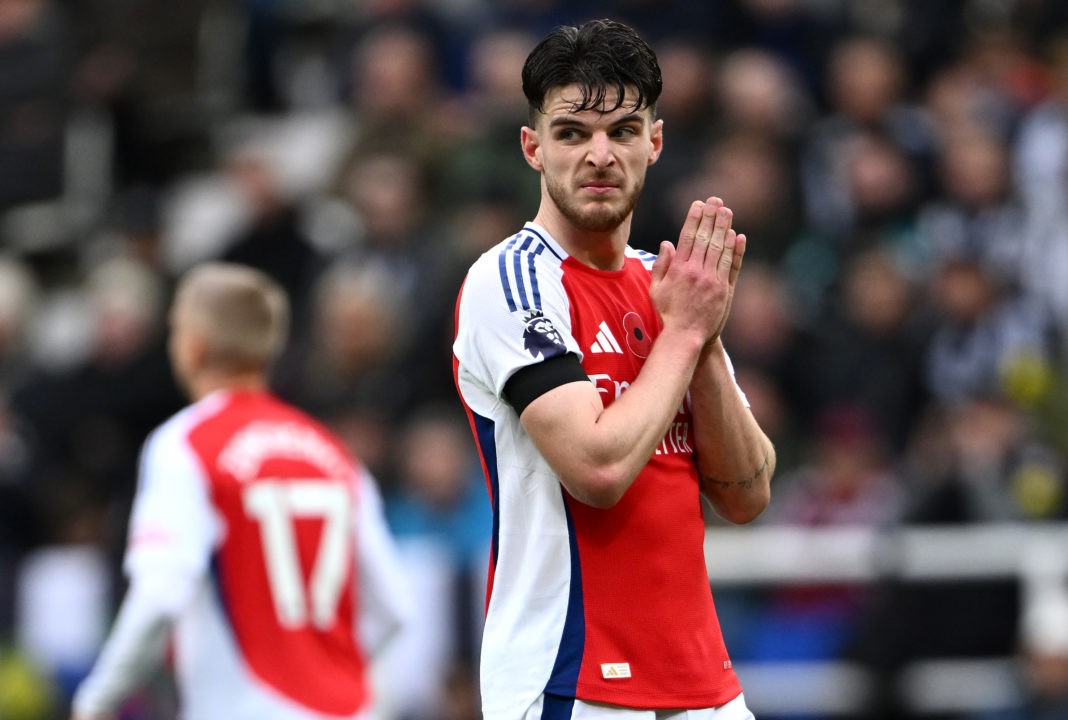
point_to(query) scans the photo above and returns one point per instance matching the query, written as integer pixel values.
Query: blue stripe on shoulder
(517, 263)
(545, 244)
(521, 287)
(502, 266)
(647, 258)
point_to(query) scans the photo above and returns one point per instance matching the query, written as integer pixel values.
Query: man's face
(593, 164)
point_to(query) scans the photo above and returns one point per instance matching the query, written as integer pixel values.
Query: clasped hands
(693, 282)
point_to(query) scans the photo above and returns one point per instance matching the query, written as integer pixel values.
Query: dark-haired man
(603, 405)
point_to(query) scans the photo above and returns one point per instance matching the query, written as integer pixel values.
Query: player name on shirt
(247, 450)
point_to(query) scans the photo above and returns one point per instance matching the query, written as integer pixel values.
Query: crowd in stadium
(899, 167)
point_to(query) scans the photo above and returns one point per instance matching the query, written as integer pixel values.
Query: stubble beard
(603, 216)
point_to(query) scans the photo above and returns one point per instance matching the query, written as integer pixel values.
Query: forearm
(134, 647)
(385, 594)
(735, 459)
(597, 447)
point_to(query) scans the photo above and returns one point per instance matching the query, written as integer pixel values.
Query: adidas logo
(613, 671)
(606, 342)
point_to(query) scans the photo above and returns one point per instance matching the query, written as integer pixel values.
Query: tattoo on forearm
(745, 483)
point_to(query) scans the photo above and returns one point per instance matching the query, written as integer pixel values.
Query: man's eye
(626, 131)
(568, 134)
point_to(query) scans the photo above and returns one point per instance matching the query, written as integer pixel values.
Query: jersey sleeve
(512, 312)
(167, 551)
(385, 597)
(135, 646)
(172, 525)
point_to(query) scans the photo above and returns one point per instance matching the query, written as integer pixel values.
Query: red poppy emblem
(639, 340)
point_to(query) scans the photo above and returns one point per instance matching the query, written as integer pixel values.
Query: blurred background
(901, 170)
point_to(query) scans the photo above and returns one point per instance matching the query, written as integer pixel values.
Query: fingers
(689, 229)
(726, 256)
(708, 237)
(706, 230)
(736, 263)
(717, 224)
(663, 260)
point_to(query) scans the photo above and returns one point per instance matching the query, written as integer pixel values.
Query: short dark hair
(598, 55)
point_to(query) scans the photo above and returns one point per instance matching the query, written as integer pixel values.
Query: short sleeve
(512, 312)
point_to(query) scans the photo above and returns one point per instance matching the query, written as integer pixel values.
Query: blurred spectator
(397, 89)
(867, 86)
(752, 173)
(87, 420)
(20, 293)
(35, 52)
(141, 68)
(984, 327)
(1041, 145)
(761, 93)
(274, 239)
(797, 31)
(881, 182)
(849, 479)
(689, 109)
(440, 495)
(480, 162)
(988, 86)
(976, 211)
(398, 237)
(1040, 172)
(763, 340)
(442, 520)
(867, 350)
(18, 298)
(981, 461)
(359, 342)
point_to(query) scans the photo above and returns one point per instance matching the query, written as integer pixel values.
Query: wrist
(712, 348)
(683, 340)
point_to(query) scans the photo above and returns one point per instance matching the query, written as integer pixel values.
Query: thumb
(663, 261)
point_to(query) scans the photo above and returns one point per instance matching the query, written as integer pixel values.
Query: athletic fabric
(607, 605)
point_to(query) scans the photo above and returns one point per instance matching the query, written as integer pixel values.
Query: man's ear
(656, 135)
(197, 350)
(531, 144)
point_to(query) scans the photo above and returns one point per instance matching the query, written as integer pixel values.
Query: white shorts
(557, 708)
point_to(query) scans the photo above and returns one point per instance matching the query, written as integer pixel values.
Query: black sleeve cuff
(531, 382)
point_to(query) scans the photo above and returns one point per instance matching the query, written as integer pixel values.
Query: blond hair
(241, 312)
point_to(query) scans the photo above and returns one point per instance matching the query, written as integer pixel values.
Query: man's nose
(600, 153)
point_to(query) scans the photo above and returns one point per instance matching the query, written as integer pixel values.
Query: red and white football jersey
(281, 538)
(608, 605)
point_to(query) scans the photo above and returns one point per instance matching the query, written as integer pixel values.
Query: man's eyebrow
(572, 121)
(562, 120)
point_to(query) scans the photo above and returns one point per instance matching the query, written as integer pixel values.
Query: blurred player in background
(604, 405)
(257, 543)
